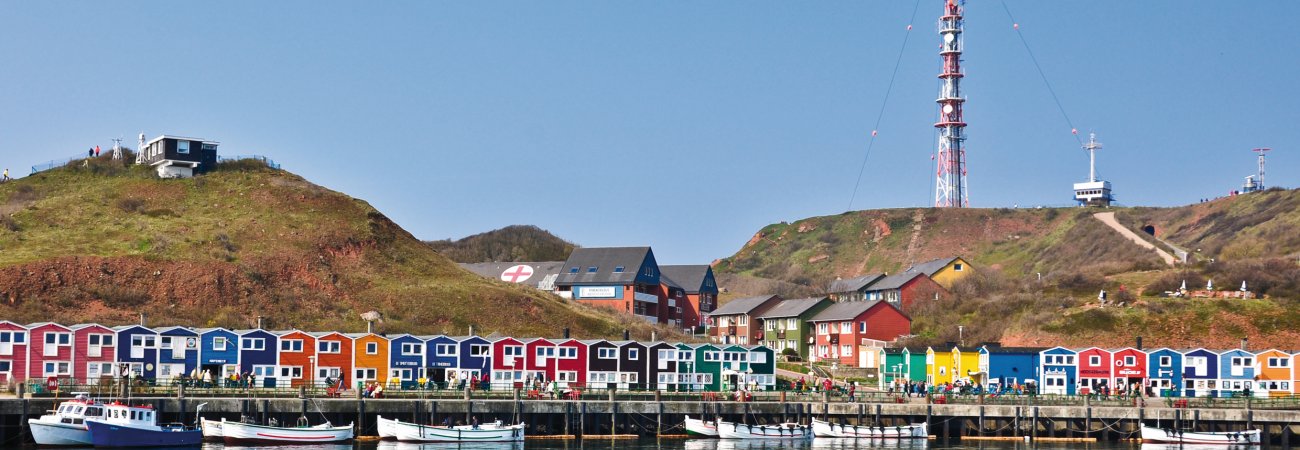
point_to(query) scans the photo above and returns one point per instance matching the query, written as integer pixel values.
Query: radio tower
(950, 189)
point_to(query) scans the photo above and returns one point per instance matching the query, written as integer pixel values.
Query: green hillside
(515, 243)
(1039, 270)
(103, 242)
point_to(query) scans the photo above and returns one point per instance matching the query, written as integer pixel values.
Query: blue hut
(475, 358)
(218, 352)
(137, 347)
(259, 355)
(1236, 372)
(1200, 373)
(1060, 371)
(1007, 367)
(405, 360)
(1164, 372)
(441, 354)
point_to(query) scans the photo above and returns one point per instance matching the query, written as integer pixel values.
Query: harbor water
(716, 444)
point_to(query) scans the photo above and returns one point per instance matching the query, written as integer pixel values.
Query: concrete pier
(650, 418)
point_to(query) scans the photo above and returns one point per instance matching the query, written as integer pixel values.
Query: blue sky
(686, 126)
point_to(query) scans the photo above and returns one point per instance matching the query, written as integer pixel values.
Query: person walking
(6, 175)
(853, 387)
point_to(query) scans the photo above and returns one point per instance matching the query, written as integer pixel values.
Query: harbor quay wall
(596, 418)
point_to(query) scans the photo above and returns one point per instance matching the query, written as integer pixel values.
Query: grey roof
(542, 271)
(123, 327)
(742, 305)
(604, 259)
(854, 284)
(843, 311)
(318, 334)
(894, 281)
(173, 328)
(931, 266)
(1014, 350)
(792, 308)
(689, 277)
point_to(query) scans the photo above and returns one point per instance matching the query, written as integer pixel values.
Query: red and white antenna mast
(950, 189)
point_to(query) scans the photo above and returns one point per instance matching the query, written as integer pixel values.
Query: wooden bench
(533, 394)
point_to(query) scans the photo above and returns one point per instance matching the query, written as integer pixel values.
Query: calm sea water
(715, 444)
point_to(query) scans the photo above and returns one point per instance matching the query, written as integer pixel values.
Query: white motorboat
(410, 432)
(246, 433)
(701, 428)
(823, 428)
(730, 430)
(211, 429)
(1173, 436)
(66, 425)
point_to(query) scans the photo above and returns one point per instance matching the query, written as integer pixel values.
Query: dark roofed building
(903, 289)
(620, 278)
(852, 289)
(844, 332)
(176, 156)
(737, 321)
(540, 275)
(698, 288)
(785, 326)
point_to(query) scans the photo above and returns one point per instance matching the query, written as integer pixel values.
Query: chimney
(142, 315)
(370, 327)
(654, 336)
(259, 323)
(1243, 343)
(566, 333)
(627, 336)
(1139, 343)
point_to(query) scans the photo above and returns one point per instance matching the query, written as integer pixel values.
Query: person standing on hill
(90, 152)
(96, 151)
(6, 175)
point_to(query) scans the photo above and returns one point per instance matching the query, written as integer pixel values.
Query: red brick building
(904, 289)
(737, 321)
(697, 293)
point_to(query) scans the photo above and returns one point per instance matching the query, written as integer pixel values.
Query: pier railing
(151, 388)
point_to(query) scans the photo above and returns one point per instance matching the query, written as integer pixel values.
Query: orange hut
(334, 357)
(297, 359)
(369, 357)
(1276, 374)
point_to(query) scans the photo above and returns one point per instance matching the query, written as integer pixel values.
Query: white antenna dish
(949, 37)
(947, 108)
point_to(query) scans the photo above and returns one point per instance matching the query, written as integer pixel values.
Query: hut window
(1165, 361)
(1094, 360)
(183, 147)
(372, 348)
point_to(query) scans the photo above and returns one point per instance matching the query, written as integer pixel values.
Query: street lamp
(311, 372)
(960, 333)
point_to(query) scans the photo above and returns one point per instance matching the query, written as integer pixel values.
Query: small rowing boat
(730, 430)
(247, 433)
(822, 428)
(410, 432)
(1172, 436)
(700, 428)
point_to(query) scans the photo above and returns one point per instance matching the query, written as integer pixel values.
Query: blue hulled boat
(136, 426)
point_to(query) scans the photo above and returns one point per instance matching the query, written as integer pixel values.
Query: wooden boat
(66, 425)
(410, 432)
(211, 429)
(823, 428)
(730, 430)
(136, 426)
(1171, 436)
(246, 433)
(700, 428)
(387, 428)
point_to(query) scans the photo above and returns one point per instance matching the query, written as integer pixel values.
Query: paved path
(1108, 218)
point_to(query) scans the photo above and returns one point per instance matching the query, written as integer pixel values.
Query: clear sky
(685, 126)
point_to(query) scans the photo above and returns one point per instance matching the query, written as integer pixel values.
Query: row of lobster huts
(90, 353)
(1195, 372)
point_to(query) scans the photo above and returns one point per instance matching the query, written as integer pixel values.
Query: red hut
(50, 354)
(571, 363)
(93, 352)
(1095, 371)
(541, 358)
(509, 360)
(13, 352)
(1130, 369)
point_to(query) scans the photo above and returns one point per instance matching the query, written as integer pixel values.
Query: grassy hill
(1039, 270)
(105, 241)
(515, 243)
